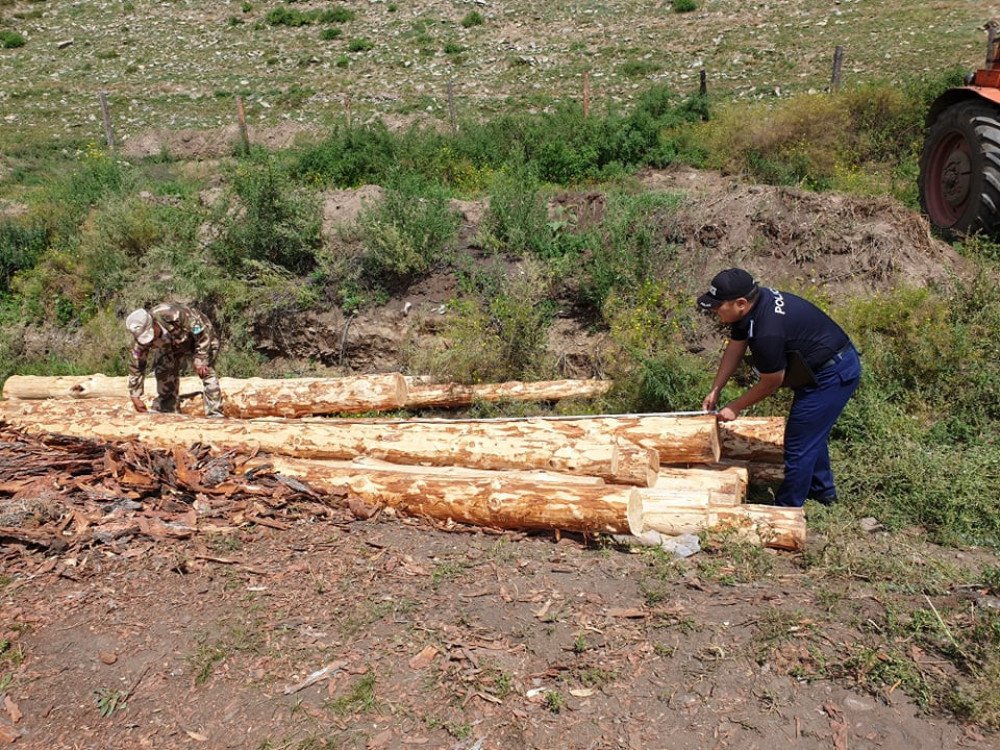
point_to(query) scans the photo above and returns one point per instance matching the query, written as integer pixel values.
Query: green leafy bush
(497, 330)
(20, 247)
(408, 231)
(473, 18)
(516, 222)
(331, 33)
(285, 16)
(271, 220)
(866, 139)
(11, 39)
(360, 45)
(919, 440)
(631, 243)
(685, 6)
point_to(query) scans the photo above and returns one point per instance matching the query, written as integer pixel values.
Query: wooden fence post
(451, 106)
(586, 93)
(241, 117)
(838, 64)
(109, 131)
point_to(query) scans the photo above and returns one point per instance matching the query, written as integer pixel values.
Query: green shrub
(70, 196)
(410, 230)
(284, 16)
(919, 439)
(20, 247)
(349, 157)
(560, 146)
(865, 139)
(498, 329)
(330, 33)
(684, 6)
(631, 243)
(516, 220)
(638, 68)
(271, 220)
(11, 39)
(335, 15)
(451, 48)
(473, 18)
(360, 45)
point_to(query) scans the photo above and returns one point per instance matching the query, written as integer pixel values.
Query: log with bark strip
(450, 395)
(502, 501)
(716, 477)
(349, 394)
(528, 444)
(758, 472)
(671, 512)
(757, 439)
(677, 440)
(251, 397)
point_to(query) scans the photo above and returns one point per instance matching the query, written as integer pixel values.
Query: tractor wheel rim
(950, 180)
(956, 178)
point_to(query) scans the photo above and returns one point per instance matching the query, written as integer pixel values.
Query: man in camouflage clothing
(178, 333)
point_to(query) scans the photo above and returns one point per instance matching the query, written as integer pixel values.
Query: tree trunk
(671, 512)
(484, 445)
(758, 439)
(252, 397)
(448, 395)
(502, 501)
(351, 392)
(457, 472)
(731, 480)
(760, 472)
(677, 440)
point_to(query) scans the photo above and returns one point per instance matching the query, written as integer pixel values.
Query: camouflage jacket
(184, 330)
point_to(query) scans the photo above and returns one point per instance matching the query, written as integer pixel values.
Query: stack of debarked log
(615, 474)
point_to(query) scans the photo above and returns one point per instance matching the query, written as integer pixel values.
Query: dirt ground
(437, 639)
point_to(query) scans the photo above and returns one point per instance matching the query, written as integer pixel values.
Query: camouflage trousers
(168, 381)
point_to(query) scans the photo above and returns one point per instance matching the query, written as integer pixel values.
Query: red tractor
(960, 164)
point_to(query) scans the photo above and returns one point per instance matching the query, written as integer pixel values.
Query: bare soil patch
(209, 144)
(304, 627)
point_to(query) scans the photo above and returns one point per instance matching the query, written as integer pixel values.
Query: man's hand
(728, 414)
(711, 400)
(201, 370)
(139, 406)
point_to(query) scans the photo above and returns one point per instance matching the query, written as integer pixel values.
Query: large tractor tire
(960, 170)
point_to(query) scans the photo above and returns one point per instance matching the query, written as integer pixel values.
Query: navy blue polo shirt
(780, 323)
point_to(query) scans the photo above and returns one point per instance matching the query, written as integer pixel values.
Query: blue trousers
(814, 411)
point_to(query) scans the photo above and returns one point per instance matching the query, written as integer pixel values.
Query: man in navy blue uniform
(793, 343)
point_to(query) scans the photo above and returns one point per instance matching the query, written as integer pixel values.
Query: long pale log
(251, 397)
(759, 439)
(484, 445)
(759, 472)
(504, 501)
(448, 395)
(716, 477)
(686, 513)
(365, 463)
(677, 440)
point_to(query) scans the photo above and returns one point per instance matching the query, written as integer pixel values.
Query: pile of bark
(60, 491)
(601, 474)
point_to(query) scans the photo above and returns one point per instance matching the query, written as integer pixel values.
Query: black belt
(835, 358)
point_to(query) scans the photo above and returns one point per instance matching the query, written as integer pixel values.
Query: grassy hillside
(178, 63)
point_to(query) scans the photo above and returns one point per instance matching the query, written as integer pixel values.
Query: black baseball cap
(730, 284)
